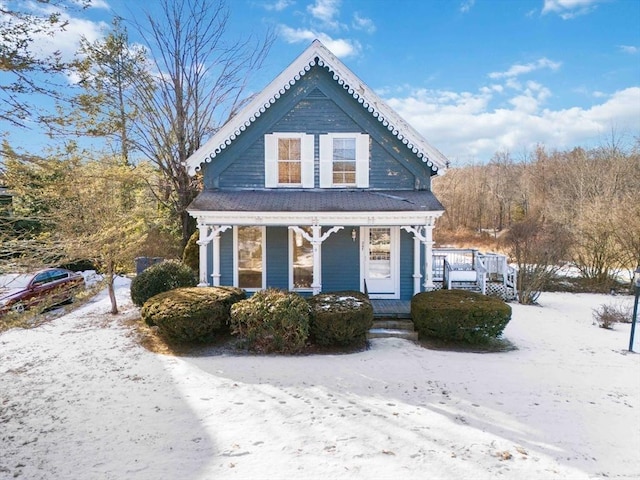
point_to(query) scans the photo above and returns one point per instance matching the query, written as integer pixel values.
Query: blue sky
(473, 76)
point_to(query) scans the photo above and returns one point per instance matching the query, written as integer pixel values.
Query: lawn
(81, 399)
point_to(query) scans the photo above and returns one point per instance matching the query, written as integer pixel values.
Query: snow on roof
(317, 54)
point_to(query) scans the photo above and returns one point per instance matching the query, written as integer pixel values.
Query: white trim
(395, 262)
(317, 218)
(318, 54)
(264, 257)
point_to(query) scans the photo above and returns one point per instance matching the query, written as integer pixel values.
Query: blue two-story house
(317, 185)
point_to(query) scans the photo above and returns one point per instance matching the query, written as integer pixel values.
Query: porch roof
(316, 201)
(316, 207)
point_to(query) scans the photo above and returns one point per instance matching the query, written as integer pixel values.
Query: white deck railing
(471, 266)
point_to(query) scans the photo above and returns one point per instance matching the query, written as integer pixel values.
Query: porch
(466, 269)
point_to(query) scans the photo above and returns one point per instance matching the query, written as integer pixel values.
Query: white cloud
(465, 126)
(629, 49)
(340, 47)
(519, 69)
(96, 4)
(67, 41)
(326, 11)
(466, 5)
(363, 23)
(568, 9)
(278, 5)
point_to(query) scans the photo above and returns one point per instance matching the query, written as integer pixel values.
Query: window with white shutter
(289, 159)
(344, 160)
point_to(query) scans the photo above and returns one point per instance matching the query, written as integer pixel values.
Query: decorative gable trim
(317, 54)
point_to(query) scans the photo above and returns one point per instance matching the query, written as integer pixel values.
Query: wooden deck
(391, 308)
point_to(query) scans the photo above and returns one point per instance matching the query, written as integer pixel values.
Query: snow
(80, 399)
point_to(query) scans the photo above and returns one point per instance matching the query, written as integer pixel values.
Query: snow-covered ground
(80, 399)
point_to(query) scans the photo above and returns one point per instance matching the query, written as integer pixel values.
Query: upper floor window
(288, 160)
(344, 160)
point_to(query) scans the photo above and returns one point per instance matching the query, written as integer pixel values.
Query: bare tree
(201, 75)
(538, 249)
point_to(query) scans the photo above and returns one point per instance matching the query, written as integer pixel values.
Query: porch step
(393, 328)
(391, 324)
(471, 286)
(389, 333)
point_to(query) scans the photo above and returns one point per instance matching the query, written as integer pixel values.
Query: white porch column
(428, 255)
(416, 265)
(207, 234)
(316, 238)
(203, 241)
(423, 235)
(216, 253)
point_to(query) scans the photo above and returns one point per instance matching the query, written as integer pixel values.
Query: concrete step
(393, 324)
(392, 333)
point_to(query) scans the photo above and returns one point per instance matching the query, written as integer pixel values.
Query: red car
(44, 288)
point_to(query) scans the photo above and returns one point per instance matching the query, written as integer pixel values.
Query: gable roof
(317, 54)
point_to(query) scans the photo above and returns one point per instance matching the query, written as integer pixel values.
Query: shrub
(191, 252)
(606, 315)
(272, 321)
(160, 278)
(340, 318)
(194, 314)
(459, 316)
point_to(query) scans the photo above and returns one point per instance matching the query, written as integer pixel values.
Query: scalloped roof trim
(317, 54)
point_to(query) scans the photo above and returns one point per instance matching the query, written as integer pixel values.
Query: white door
(379, 262)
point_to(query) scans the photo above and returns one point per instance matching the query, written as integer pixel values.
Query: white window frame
(236, 269)
(271, 179)
(291, 286)
(362, 160)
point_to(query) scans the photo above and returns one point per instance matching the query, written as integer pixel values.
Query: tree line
(579, 206)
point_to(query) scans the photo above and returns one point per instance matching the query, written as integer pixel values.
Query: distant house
(317, 185)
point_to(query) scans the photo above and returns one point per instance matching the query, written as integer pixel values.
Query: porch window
(301, 260)
(249, 248)
(344, 160)
(289, 159)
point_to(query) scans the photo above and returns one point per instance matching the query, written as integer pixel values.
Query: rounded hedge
(340, 318)
(272, 321)
(194, 314)
(160, 278)
(459, 316)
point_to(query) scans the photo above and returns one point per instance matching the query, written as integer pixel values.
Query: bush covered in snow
(195, 314)
(340, 318)
(272, 321)
(160, 278)
(459, 316)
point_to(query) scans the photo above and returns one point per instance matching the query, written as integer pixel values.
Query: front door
(379, 262)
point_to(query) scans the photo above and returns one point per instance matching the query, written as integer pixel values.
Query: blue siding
(226, 258)
(277, 257)
(341, 262)
(406, 265)
(241, 165)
